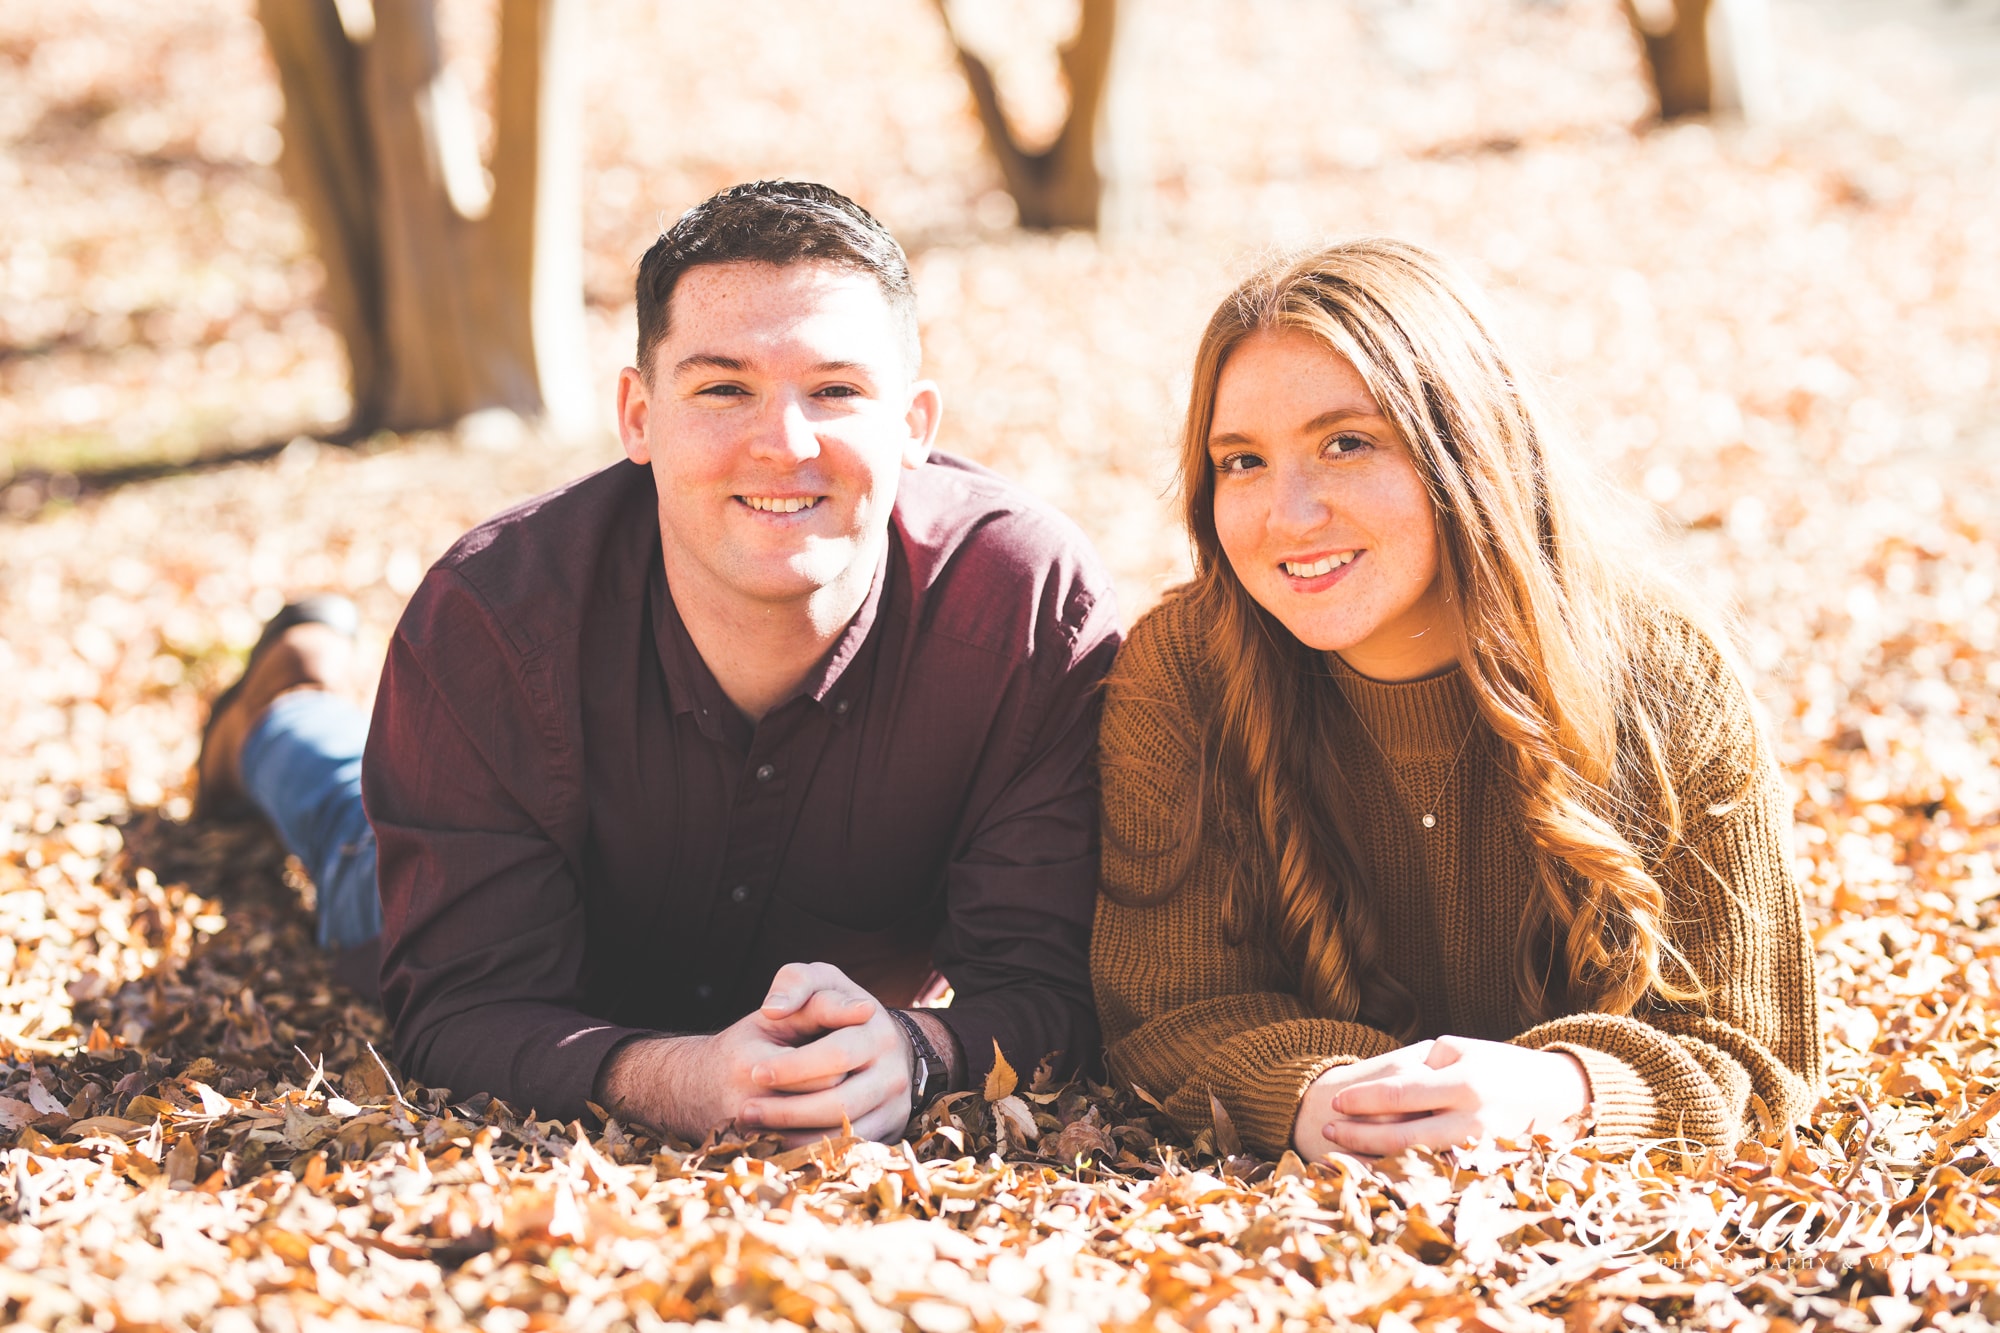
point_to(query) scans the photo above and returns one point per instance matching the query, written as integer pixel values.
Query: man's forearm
(647, 1081)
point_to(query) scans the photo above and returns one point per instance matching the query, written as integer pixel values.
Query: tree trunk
(1063, 185)
(448, 300)
(1706, 57)
(535, 231)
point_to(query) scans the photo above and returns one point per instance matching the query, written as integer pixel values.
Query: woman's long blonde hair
(1553, 630)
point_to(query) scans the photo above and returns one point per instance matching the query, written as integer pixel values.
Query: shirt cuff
(1622, 1103)
(976, 1032)
(1265, 1108)
(570, 1075)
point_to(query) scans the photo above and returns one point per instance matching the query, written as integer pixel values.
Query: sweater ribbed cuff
(1622, 1104)
(1265, 1108)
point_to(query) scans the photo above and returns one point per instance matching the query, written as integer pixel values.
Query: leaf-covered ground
(1782, 339)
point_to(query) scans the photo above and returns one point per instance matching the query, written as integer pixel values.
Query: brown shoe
(307, 645)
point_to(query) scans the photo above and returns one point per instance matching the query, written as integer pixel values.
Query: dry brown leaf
(1228, 1143)
(1083, 1137)
(212, 1102)
(182, 1159)
(1000, 1079)
(44, 1102)
(826, 1149)
(1971, 1124)
(1018, 1120)
(106, 1124)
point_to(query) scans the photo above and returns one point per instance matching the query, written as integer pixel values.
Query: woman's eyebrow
(1343, 414)
(1334, 417)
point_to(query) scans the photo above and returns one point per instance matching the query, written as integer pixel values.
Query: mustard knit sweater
(1186, 1012)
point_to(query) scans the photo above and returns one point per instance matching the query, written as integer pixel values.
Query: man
(687, 780)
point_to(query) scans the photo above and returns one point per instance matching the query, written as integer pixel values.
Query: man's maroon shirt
(582, 841)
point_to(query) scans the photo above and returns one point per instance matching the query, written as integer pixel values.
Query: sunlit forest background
(1777, 336)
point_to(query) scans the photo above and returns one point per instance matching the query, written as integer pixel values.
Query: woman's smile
(1314, 573)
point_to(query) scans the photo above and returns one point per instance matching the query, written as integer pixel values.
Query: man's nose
(784, 431)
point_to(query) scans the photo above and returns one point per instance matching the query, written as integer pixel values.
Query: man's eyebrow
(716, 361)
(1320, 422)
(708, 361)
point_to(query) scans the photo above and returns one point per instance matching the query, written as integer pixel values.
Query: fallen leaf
(1019, 1121)
(1227, 1142)
(1980, 1116)
(212, 1102)
(1084, 1137)
(44, 1101)
(182, 1160)
(1000, 1079)
(109, 1125)
(566, 1219)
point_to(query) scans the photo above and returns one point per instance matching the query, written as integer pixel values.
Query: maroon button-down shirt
(581, 840)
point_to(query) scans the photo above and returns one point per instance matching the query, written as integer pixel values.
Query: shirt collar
(1410, 718)
(691, 684)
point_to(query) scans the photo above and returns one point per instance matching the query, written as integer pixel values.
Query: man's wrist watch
(927, 1070)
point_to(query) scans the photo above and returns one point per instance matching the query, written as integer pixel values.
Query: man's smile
(780, 504)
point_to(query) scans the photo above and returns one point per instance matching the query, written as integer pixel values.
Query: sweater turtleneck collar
(1410, 719)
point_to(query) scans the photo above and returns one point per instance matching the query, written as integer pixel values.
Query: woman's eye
(1348, 444)
(1238, 463)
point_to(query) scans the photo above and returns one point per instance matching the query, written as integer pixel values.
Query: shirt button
(704, 992)
(840, 707)
(740, 894)
(765, 772)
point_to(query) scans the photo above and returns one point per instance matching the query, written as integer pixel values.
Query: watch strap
(929, 1069)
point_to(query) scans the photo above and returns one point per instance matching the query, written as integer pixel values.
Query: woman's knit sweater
(1186, 1012)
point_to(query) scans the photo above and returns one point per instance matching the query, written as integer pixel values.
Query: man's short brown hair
(773, 222)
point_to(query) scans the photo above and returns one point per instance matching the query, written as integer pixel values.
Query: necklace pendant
(1430, 820)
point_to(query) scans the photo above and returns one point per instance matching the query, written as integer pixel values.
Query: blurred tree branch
(1705, 56)
(1062, 185)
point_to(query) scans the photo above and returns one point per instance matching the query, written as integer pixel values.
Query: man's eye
(721, 391)
(840, 391)
(1238, 463)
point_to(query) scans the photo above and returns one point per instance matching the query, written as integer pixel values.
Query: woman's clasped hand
(1436, 1093)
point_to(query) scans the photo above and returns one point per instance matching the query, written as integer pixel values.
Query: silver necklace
(1429, 808)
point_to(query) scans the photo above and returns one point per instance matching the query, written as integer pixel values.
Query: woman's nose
(1297, 507)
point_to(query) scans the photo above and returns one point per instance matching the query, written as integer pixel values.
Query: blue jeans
(302, 767)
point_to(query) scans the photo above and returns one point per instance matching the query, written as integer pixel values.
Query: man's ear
(926, 412)
(634, 406)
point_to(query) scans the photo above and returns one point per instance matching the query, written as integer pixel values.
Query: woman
(1426, 818)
